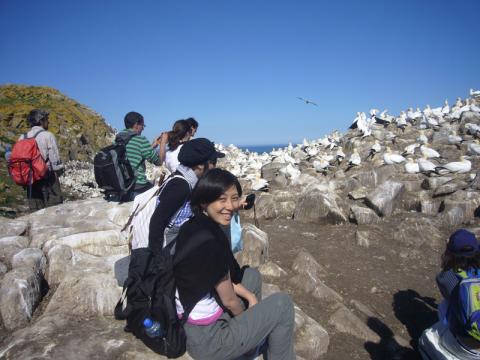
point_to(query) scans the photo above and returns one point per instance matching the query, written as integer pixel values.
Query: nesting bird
(390, 158)
(411, 167)
(459, 167)
(354, 160)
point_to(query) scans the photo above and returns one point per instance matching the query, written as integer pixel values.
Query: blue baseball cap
(463, 242)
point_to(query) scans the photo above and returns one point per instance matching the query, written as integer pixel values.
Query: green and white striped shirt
(139, 150)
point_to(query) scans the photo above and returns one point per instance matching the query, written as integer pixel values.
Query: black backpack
(149, 291)
(113, 172)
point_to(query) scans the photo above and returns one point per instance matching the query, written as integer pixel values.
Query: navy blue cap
(463, 242)
(198, 151)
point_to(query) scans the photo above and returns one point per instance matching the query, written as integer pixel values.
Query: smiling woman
(223, 301)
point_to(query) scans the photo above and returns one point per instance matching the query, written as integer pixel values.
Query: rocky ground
(354, 236)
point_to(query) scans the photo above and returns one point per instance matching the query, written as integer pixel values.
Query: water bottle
(153, 328)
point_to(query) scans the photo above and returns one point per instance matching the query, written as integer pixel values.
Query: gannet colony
(434, 142)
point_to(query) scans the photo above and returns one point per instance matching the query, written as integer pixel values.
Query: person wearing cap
(460, 258)
(196, 157)
(139, 150)
(47, 191)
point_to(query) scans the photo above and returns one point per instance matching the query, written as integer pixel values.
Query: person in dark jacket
(196, 158)
(226, 319)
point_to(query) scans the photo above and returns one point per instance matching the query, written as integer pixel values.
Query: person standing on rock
(196, 157)
(227, 320)
(139, 150)
(47, 191)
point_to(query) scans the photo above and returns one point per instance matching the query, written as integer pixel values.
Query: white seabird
(474, 93)
(321, 165)
(445, 108)
(410, 149)
(392, 158)
(474, 148)
(422, 138)
(411, 167)
(339, 155)
(426, 166)
(259, 184)
(454, 139)
(375, 149)
(354, 160)
(428, 152)
(459, 167)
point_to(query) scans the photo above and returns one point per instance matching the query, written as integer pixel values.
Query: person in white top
(47, 191)
(181, 132)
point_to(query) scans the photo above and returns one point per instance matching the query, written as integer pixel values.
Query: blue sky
(238, 66)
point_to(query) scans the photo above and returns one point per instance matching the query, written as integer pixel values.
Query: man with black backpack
(138, 150)
(39, 174)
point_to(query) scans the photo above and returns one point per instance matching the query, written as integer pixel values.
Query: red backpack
(26, 164)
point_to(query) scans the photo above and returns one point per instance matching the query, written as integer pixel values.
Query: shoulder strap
(34, 136)
(140, 207)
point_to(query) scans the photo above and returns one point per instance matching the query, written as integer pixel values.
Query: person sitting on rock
(196, 157)
(226, 319)
(139, 150)
(47, 191)
(452, 335)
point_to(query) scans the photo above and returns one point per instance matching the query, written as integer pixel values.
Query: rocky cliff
(80, 131)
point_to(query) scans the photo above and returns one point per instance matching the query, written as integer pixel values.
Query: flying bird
(307, 101)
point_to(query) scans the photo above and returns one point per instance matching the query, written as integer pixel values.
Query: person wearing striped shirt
(139, 150)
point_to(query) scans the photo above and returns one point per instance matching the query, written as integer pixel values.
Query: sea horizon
(261, 148)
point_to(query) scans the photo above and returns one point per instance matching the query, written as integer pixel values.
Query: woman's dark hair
(192, 123)
(451, 261)
(211, 186)
(179, 131)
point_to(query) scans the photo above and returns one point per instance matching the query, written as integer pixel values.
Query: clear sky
(237, 66)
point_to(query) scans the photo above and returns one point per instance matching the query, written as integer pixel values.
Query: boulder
(85, 292)
(345, 321)
(271, 170)
(98, 243)
(459, 208)
(31, 258)
(59, 259)
(255, 246)
(318, 207)
(10, 227)
(271, 269)
(20, 292)
(315, 287)
(64, 336)
(268, 206)
(311, 339)
(450, 187)
(305, 263)
(358, 194)
(416, 231)
(363, 216)
(431, 183)
(384, 198)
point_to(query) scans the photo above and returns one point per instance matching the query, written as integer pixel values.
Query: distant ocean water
(261, 148)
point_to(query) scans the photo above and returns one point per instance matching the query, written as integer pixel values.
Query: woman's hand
(252, 301)
(242, 291)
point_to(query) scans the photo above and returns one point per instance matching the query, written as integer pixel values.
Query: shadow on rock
(388, 347)
(416, 312)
